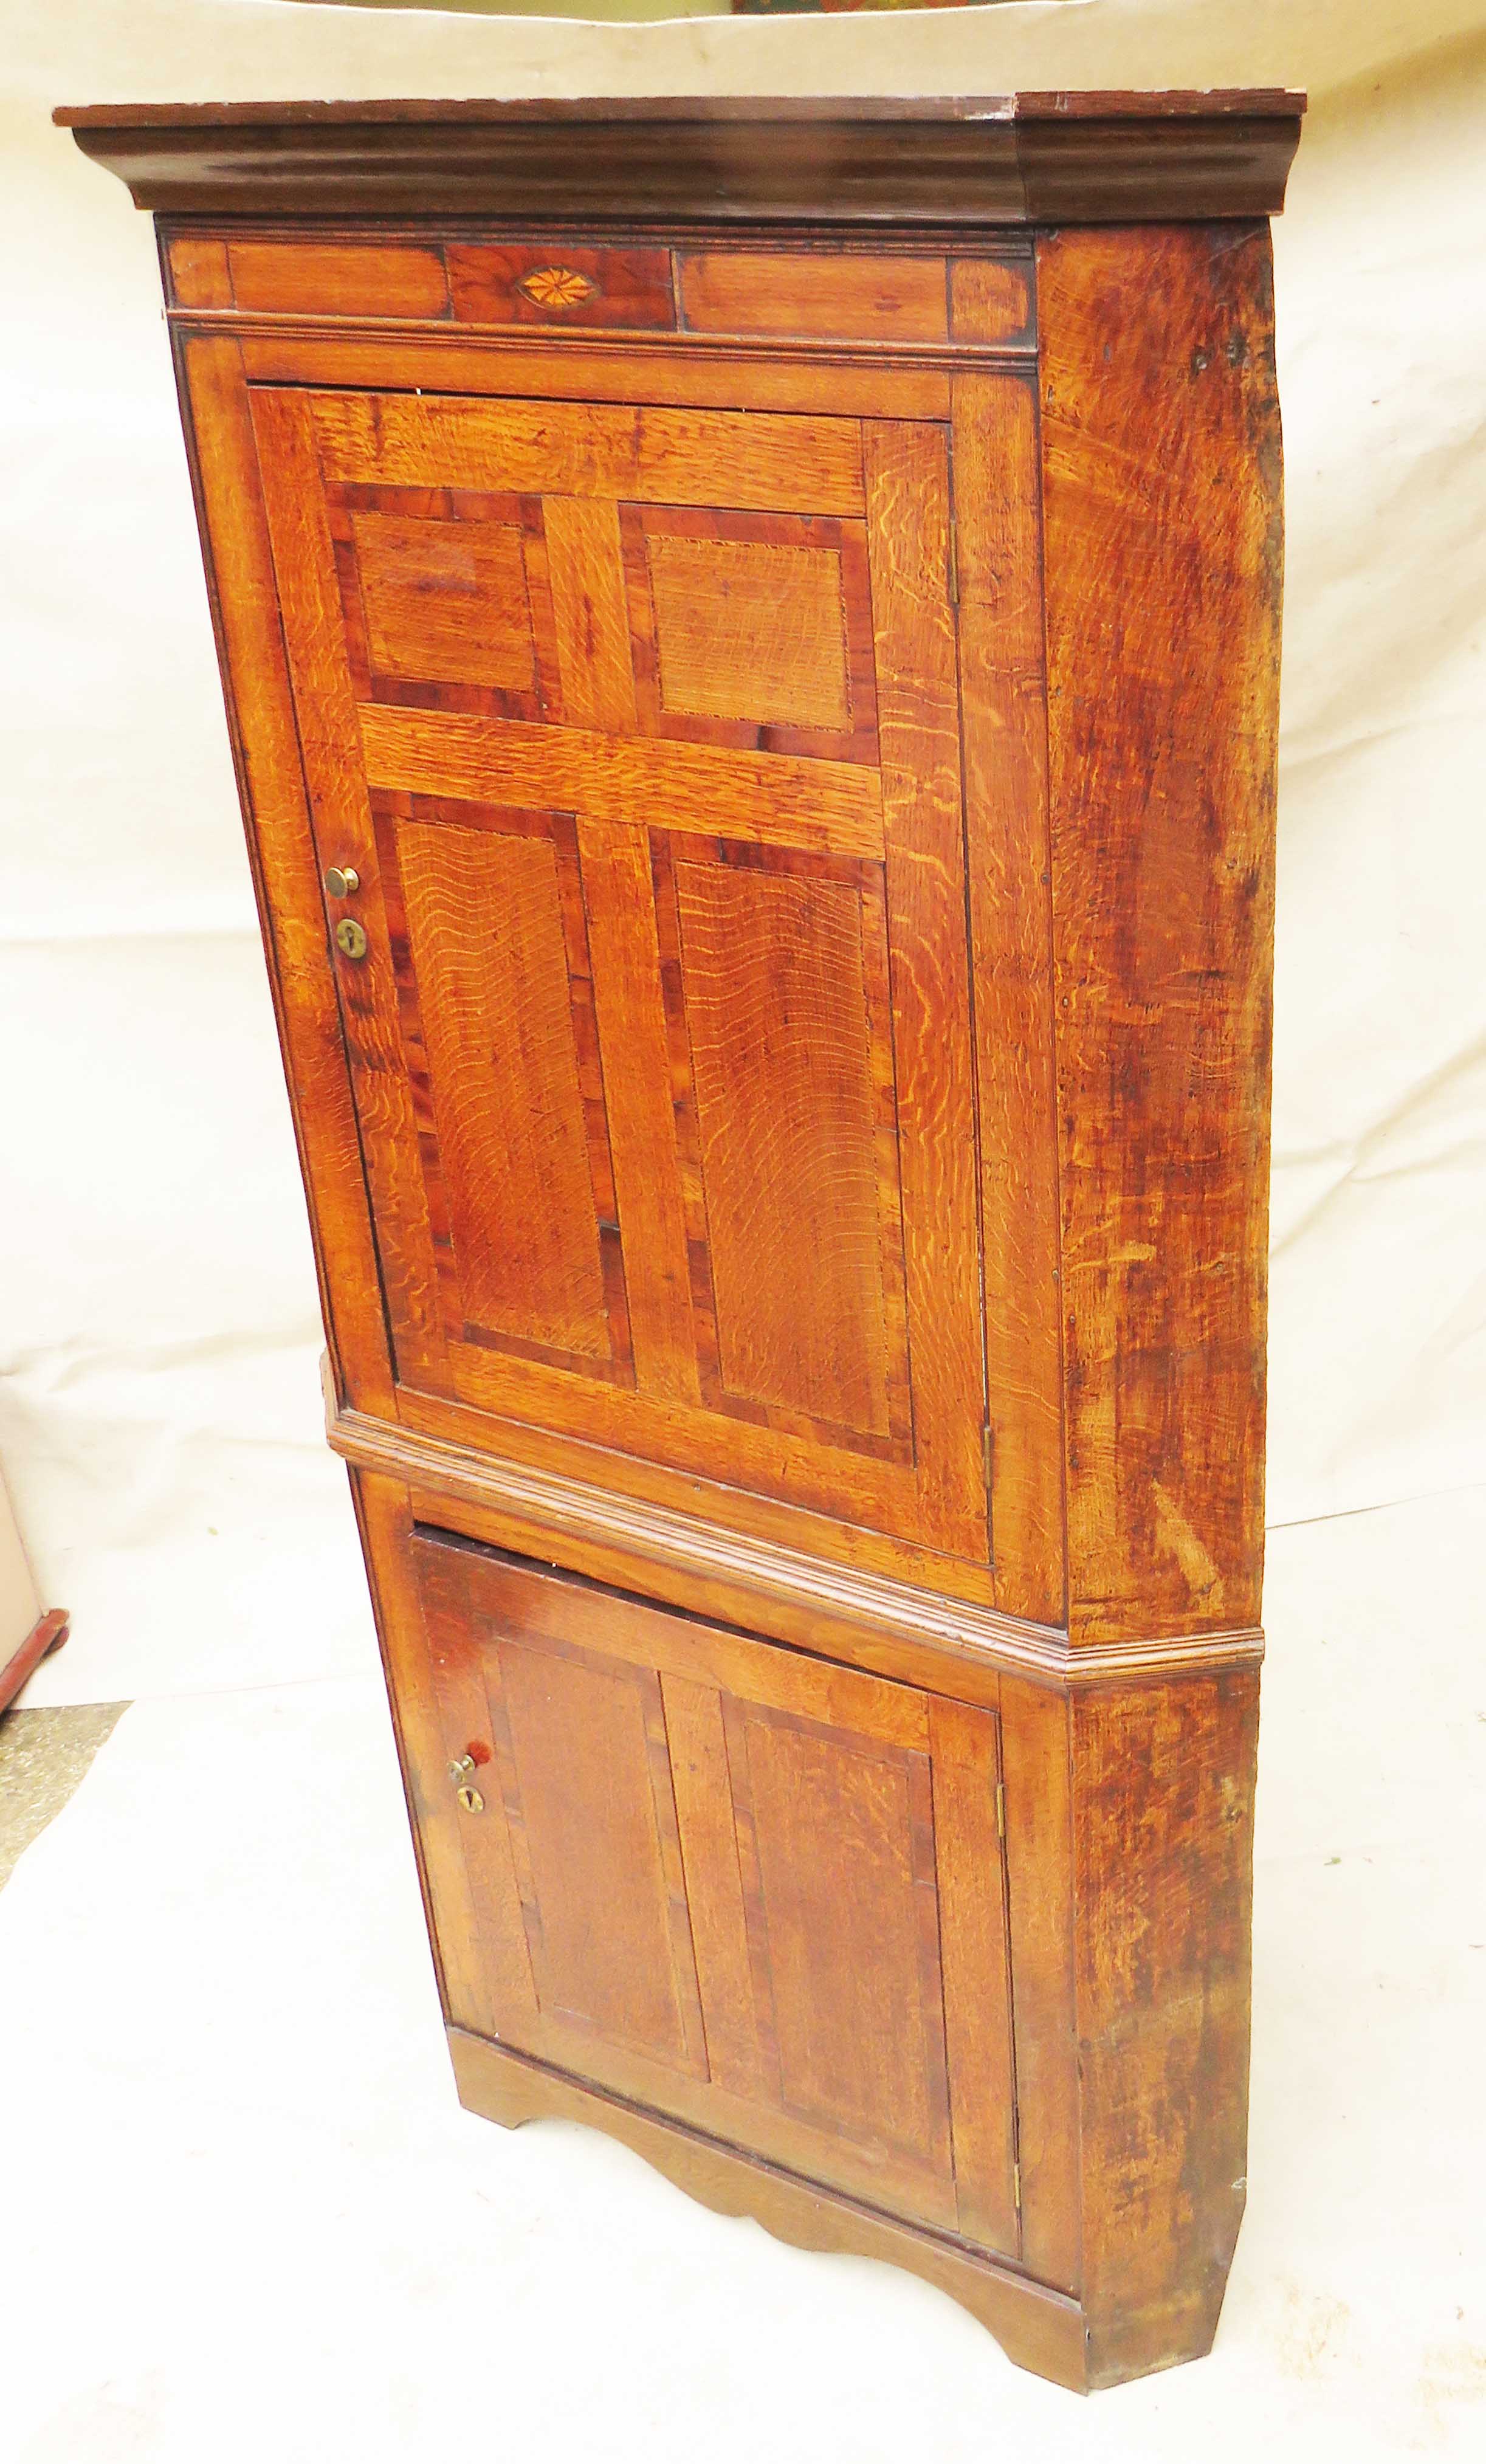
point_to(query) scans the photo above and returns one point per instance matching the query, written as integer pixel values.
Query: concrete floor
(246, 2218)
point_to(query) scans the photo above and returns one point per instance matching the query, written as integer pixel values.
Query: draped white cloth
(160, 1413)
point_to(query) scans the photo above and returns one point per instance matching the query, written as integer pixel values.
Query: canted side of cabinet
(756, 724)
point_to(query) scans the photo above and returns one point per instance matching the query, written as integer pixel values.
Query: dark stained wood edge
(963, 163)
(1038, 2328)
(679, 1556)
(46, 1635)
(588, 110)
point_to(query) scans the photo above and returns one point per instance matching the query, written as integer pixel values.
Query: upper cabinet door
(639, 729)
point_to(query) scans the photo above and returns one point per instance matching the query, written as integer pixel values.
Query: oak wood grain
(1162, 511)
(308, 597)
(769, 798)
(355, 279)
(701, 374)
(1164, 1840)
(738, 292)
(1004, 723)
(1042, 2329)
(262, 720)
(797, 1113)
(908, 517)
(675, 457)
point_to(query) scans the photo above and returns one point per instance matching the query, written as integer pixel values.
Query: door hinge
(955, 562)
(1000, 1808)
(1016, 2188)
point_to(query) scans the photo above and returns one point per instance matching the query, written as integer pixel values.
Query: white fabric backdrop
(160, 1417)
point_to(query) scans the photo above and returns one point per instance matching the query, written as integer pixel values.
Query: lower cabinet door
(728, 1881)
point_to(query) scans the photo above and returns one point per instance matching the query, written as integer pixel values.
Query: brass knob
(340, 881)
(350, 939)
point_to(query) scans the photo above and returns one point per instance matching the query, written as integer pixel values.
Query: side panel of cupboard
(641, 729)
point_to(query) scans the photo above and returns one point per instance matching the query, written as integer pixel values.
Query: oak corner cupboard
(749, 632)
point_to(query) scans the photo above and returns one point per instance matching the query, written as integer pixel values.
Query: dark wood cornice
(957, 165)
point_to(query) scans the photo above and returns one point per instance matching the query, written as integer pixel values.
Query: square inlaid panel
(446, 598)
(752, 629)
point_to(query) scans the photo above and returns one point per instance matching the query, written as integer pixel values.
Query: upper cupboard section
(639, 728)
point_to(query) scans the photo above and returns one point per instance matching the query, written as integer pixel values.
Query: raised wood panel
(580, 1746)
(444, 599)
(837, 1852)
(749, 632)
(498, 1032)
(753, 629)
(724, 1880)
(778, 1032)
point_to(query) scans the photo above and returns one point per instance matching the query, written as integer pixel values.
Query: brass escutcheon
(350, 939)
(472, 1801)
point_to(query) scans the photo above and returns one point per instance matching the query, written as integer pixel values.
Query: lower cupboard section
(734, 1883)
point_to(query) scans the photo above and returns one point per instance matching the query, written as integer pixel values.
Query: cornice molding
(959, 163)
(568, 1507)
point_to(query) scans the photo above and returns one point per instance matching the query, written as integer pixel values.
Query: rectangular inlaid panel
(889, 298)
(716, 1876)
(489, 1012)
(329, 278)
(837, 1852)
(777, 1030)
(581, 1745)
